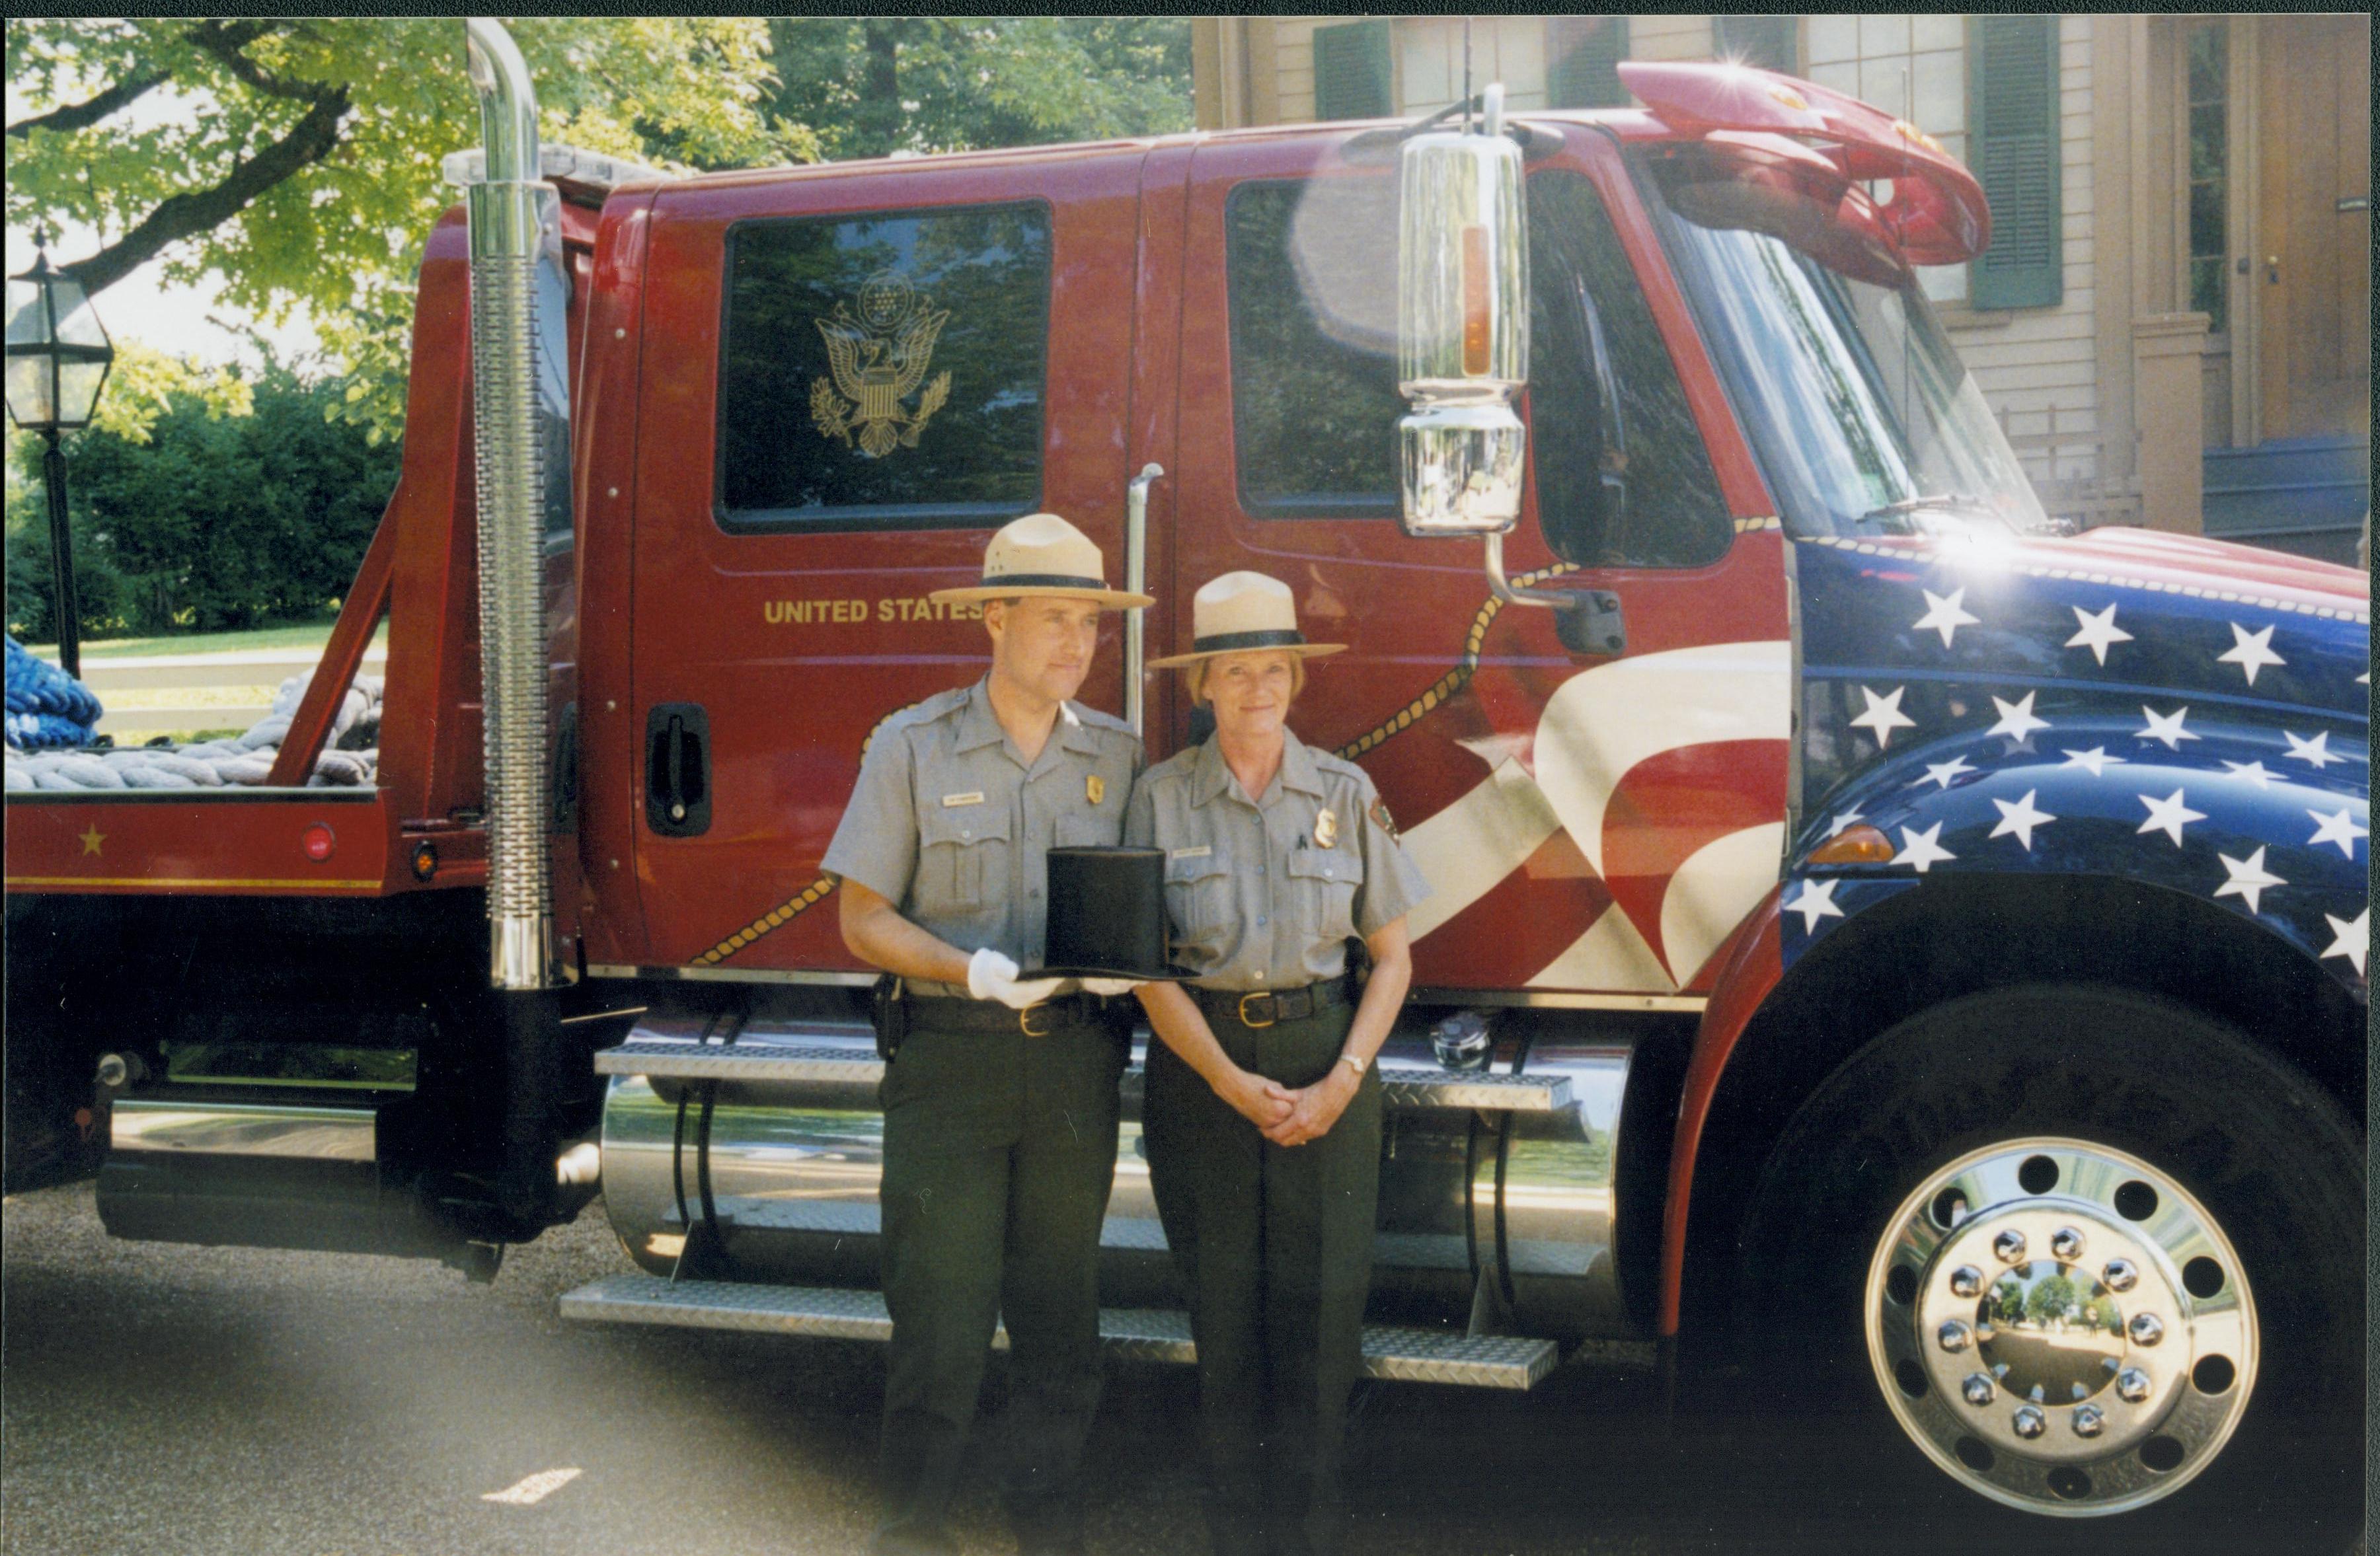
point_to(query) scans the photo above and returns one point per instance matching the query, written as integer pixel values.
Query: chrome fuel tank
(1499, 1170)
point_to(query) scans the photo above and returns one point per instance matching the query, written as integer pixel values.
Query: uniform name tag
(972, 797)
(1201, 852)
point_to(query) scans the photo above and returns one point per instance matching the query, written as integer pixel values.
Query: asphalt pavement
(231, 1402)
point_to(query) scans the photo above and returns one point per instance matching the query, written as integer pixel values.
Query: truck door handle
(678, 769)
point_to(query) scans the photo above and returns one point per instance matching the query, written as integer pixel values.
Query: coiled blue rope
(47, 707)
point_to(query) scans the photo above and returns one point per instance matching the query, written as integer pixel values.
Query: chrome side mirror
(1463, 338)
(1463, 328)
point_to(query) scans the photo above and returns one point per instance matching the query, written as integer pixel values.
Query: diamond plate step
(1397, 1353)
(846, 1065)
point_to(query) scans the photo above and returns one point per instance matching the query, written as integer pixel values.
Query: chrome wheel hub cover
(2060, 1327)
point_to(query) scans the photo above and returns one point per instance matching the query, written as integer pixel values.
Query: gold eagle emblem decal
(878, 352)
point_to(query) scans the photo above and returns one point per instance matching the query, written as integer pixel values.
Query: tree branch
(216, 37)
(226, 40)
(72, 116)
(314, 137)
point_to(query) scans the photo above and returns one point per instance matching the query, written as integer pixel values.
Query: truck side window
(1622, 478)
(1311, 265)
(1620, 473)
(886, 369)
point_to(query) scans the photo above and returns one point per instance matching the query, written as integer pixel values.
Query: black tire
(2276, 1164)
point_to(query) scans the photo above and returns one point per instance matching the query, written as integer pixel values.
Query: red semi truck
(1882, 941)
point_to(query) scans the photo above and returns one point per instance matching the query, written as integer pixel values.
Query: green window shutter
(1582, 55)
(1771, 42)
(1352, 75)
(2012, 147)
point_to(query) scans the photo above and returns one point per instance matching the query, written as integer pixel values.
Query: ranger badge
(1380, 814)
(1326, 830)
(1096, 788)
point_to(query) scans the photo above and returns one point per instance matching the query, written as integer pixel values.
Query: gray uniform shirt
(950, 824)
(1262, 894)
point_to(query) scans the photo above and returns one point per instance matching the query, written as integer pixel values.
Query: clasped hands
(1291, 1116)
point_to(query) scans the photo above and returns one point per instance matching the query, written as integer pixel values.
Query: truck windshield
(1863, 417)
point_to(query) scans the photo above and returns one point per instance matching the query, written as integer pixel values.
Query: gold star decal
(92, 838)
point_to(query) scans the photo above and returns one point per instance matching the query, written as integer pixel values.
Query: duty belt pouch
(892, 1016)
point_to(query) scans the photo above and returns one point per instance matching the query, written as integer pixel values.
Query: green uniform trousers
(999, 1152)
(1274, 1249)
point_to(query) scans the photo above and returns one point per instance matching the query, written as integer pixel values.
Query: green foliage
(881, 84)
(342, 122)
(200, 518)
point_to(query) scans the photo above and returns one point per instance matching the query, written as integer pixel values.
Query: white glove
(1109, 988)
(992, 975)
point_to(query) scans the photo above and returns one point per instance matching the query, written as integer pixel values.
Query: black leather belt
(991, 1017)
(1264, 1008)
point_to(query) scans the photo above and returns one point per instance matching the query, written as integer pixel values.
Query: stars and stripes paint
(2126, 716)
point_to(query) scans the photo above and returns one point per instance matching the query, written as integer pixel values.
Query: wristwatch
(1355, 1061)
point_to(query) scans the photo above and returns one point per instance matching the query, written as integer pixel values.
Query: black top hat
(1107, 915)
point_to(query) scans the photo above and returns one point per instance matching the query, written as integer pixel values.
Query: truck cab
(1869, 920)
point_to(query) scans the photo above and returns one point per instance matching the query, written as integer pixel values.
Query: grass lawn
(306, 634)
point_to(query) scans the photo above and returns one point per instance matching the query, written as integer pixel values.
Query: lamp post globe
(57, 358)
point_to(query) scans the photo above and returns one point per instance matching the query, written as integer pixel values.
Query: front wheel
(2096, 1258)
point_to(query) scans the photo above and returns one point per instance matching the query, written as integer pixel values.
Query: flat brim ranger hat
(1042, 554)
(1243, 612)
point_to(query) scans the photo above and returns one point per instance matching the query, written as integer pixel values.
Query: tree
(231, 503)
(2048, 1300)
(304, 168)
(876, 85)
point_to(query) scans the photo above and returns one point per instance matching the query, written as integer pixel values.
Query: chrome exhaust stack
(521, 433)
(520, 407)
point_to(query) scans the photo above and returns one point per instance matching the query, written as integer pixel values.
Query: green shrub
(214, 522)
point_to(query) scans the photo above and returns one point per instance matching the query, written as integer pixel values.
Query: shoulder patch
(925, 710)
(1379, 815)
(915, 714)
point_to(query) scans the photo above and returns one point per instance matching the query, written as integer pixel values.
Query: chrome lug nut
(2030, 1422)
(2147, 1329)
(1954, 1336)
(2131, 1385)
(2066, 1243)
(1966, 1280)
(1979, 1390)
(2010, 1247)
(2120, 1276)
(2089, 1420)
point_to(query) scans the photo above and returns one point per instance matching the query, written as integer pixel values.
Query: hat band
(1042, 581)
(1231, 642)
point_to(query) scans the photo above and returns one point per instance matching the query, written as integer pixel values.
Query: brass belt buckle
(1024, 1020)
(1272, 1010)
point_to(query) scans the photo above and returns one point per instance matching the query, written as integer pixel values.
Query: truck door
(1598, 801)
(851, 378)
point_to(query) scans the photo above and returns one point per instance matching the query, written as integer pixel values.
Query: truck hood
(2170, 710)
(2194, 559)
(2110, 617)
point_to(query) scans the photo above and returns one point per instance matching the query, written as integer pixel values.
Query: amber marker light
(1475, 301)
(1853, 844)
(425, 861)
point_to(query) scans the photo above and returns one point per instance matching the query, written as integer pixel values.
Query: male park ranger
(999, 1106)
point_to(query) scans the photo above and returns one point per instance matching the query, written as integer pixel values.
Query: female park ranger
(1262, 1115)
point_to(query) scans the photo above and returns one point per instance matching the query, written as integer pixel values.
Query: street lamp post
(57, 358)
